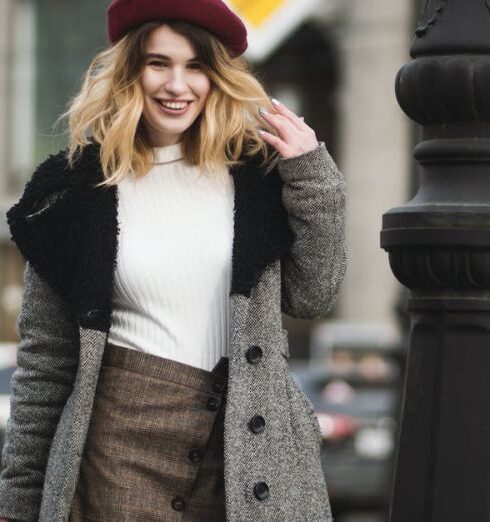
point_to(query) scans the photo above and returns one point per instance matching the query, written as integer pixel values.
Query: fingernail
(275, 102)
(262, 131)
(262, 110)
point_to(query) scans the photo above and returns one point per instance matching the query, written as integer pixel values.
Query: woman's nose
(176, 81)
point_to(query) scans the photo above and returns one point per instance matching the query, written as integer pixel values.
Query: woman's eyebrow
(165, 57)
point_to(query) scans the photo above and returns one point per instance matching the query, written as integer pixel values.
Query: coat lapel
(72, 241)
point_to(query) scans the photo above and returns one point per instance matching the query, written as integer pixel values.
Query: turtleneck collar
(167, 154)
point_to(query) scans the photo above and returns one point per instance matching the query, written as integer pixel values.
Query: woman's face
(171, 73)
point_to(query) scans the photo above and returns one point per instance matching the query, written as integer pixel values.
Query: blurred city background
(333, 62)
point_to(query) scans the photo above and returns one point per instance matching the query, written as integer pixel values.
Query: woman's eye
(161, 64)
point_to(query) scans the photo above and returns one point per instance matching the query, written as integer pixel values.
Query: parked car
(7, 367)
(355, 388)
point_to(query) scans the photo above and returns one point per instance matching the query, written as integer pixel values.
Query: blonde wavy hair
(109, 105)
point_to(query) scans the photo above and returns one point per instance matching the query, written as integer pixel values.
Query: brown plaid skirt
(154, 447)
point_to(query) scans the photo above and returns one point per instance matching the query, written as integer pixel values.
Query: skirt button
(212, 404)
(195, 455)
(218, 387)
(178, 503)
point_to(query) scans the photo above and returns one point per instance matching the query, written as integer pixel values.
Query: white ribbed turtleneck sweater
(173, 273)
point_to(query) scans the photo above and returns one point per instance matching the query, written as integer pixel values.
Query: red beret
(213, 15)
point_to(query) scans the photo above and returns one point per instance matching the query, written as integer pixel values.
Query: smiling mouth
(174, 105)
(173, 108)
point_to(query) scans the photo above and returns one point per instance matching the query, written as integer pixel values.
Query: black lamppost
(439, 247)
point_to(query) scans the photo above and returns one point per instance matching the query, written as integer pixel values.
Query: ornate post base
(439, 247)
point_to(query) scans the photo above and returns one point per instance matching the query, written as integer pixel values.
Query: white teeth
(174, 105)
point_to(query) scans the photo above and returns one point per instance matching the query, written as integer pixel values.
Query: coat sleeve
(47, 361)
(314, 197)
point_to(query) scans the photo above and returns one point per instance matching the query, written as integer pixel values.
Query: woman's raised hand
(295, 137)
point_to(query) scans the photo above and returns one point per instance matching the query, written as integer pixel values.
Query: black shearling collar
(72, 242)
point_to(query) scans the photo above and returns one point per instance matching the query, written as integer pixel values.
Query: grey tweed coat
(288, 256)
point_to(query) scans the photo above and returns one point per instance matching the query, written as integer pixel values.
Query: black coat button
(254, 354)
(195, 455)
(178, 503)
(261, 490)
(218, 386)
(257, 424)
(212, 404)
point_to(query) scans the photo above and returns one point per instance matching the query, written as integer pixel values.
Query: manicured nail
(275, 102)
(262, 131)
(263, 111)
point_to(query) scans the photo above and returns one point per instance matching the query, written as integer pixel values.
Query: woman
(161, 248)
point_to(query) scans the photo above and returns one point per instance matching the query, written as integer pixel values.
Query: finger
(276, 142)
(285, 127)
(288, 113)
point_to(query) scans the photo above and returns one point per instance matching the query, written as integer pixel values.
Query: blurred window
(51, 43)
(68, 35)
